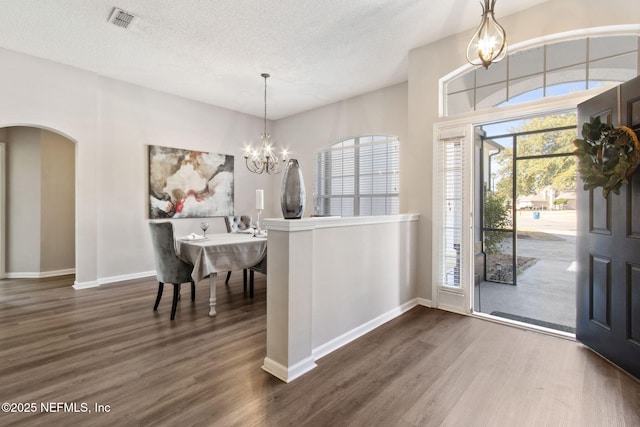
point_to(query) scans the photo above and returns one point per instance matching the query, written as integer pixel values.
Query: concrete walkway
(545, 292)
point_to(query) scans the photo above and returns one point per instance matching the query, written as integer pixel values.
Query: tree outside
(533, 177)
(497, 215)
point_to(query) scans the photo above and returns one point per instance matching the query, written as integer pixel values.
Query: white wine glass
(204, 226)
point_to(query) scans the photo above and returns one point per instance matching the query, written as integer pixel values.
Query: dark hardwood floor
(426, 367)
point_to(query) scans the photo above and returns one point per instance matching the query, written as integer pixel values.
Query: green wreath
(607, 156)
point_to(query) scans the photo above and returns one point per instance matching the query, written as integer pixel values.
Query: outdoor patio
(545, 291)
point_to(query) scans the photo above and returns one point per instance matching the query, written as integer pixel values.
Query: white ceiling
(317, 51)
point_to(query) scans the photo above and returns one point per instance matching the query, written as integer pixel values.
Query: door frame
(3, 216)
(461, 300)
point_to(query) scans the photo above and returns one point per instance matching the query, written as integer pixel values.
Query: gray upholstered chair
(169, 268)
(235, 224)
(260, 267)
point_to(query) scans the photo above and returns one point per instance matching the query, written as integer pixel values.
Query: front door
(608, 246)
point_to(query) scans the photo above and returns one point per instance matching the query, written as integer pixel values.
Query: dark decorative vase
(292, 194)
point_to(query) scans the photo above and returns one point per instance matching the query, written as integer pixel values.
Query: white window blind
(452, 193)
(357, 176)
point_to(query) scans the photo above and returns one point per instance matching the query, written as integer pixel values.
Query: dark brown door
(608, 247)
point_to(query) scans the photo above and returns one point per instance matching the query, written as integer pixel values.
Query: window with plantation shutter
(357, 177)
(452, 218)
(452, 166)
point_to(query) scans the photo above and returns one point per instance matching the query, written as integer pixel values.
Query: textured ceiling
(317, 51)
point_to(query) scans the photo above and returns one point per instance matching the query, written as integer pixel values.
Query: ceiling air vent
(121, 18)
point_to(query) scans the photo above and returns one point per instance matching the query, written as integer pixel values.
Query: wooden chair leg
(251, 284)
(160, 289)
(244, 279)
(193, 291)
(176, 295)
(226, 282)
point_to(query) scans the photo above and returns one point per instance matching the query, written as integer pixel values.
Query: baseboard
(122, 278)
(41, 274)
(288, 374)
(359, 331)
(23, 275)
(85, 285)
(425, 302)
(113, 279)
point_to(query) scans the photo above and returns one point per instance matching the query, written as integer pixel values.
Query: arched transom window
(543, 71)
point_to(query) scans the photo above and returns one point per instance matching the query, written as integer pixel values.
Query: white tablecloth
(222, 252)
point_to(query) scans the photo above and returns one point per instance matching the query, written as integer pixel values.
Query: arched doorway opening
(39, 173)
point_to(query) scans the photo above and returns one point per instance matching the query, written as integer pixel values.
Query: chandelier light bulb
(489, 43)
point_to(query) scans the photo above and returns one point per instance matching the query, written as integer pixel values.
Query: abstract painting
(189, 184)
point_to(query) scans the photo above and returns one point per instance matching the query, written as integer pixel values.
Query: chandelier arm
(254, 165)
(274, 166)
(503, 47)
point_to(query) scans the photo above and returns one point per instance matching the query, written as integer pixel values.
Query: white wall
(383, 112)
(3, 202)
(427, 64)
(57, 234)
(360, 272)
(331, 280)
(112, 123)
(24, 192)
(131, 119)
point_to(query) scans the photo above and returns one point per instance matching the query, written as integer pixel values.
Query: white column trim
(288, 374)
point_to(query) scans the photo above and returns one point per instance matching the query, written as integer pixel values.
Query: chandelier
(489, 43)
(263, 158)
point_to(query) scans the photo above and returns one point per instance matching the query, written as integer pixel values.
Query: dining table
(220, 252)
